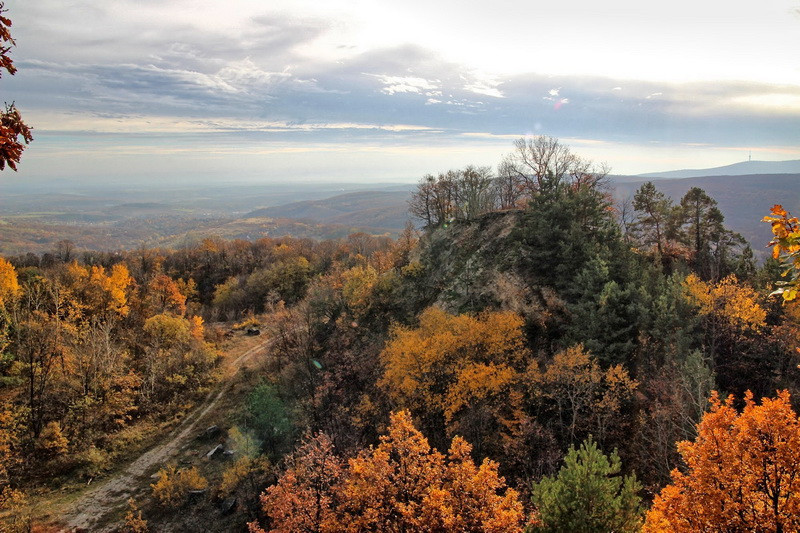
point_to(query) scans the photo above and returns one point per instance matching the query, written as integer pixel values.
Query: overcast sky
(389, 90)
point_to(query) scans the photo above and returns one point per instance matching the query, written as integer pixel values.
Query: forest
(538, 357)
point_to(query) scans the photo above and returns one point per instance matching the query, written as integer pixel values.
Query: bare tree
(421, 203)
(465, 194)
(474, 194)
(535, 160)
(509, 187)
(453, 195)
(626, 216)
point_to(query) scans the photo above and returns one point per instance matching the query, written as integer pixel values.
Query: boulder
(215, 450)
(228, 506)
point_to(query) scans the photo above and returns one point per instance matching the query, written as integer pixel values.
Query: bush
(134, 523)
(173, 486)
(15, 515)
(93, 462)
(246, 469)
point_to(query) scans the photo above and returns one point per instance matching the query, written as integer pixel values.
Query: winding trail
(92, 508)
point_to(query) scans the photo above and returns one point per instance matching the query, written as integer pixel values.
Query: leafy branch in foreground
(786, 247)
(12, 126)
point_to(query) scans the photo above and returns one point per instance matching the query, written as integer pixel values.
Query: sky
(371, 90)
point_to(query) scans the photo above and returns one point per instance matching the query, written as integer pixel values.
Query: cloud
(405, 84)
(485, 84)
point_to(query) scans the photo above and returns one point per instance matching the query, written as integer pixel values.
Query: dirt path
(92, 508)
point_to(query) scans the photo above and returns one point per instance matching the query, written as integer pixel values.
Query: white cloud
(147, 124)
(405, 84)
(482, 83)
(782, 102)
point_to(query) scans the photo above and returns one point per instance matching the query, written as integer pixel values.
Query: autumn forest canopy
(531, 354)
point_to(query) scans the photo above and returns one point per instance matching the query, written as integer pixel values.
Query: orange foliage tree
(400, 485)
(743, 472)
(165, 295)
(305, 497)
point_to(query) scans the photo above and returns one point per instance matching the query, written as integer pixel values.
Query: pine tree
(588, 495)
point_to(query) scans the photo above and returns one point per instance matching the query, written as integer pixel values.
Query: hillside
(375, 209)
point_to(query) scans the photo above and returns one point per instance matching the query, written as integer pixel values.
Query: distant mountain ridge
(736, 169)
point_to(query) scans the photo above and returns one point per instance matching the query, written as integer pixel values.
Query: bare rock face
(468, 266)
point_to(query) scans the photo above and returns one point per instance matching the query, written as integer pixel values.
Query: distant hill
(737, 169)
(372, 209)
(744, 200)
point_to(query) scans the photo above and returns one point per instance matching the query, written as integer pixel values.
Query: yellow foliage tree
(727, 301)
(357, 285)
(10, 431)
(168, 330)
(101, 293)
(585, 398)
(732, 319)
(459, 370)
(173, 485)
(52, 441)
(9, 284)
